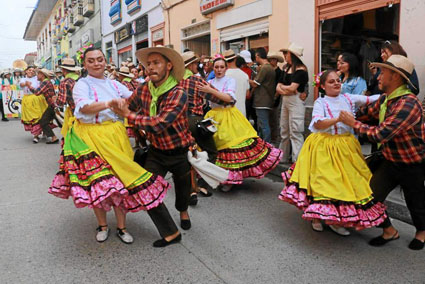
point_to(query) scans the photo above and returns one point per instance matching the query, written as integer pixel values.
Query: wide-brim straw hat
(69, 64)
(125, 71)
(400, 64)
(275, 55)
(295, 50)
(48, 73)
(172, 55)
(189, 57)
(229, 55)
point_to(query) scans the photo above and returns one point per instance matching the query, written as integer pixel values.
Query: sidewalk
(395, 201)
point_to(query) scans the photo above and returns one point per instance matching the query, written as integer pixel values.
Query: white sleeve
(124, 92)
(359, 100)
(81, 95)
(230, 88)
(318, 114)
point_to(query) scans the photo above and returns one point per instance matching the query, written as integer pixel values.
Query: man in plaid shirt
(196, 101)
(159, 110)
(46, 89)
(401, 133)
(69, 70)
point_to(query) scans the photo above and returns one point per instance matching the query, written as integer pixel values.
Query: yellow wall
(182, 14)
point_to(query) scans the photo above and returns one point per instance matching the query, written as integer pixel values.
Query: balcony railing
(88, 8)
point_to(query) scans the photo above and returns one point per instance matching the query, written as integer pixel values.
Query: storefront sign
(158, 35)
(140, 25)
(122, 34)
(209, 6)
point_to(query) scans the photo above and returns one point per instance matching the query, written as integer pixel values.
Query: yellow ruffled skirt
(32, 109)
(232, 129)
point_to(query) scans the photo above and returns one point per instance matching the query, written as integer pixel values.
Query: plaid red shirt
(132, 85)
(46, 89)
(402, 133)
(169, 129)
(65, 93)
(195, 96)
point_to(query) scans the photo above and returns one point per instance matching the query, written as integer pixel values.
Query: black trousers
(411, 179)
(160, 162)
(1, 108)
(45, 120)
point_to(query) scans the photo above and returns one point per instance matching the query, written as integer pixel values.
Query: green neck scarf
(170, 83)
(126, 79)
(46, 79)
(400, 91)
(187, 73)
(73, 76)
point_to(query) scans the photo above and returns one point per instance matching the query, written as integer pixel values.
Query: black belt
(173, 152)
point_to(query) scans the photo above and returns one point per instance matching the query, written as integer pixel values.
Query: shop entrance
(200, 45)
(361, 34)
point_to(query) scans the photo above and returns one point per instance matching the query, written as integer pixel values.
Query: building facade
(61, 28)
(128, 25)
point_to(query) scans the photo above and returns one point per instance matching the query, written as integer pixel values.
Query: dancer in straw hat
(47, 90)
(159, 110)
(71, 72)
(97, 169)
(32, 106)
(401, 133)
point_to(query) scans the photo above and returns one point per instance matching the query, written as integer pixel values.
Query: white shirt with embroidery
(225, 85)
(330, 107)
(89, 90)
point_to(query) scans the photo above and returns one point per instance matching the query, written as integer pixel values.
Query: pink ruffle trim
(258, 171)
(111, 192)
(36, 129)
(334, 213)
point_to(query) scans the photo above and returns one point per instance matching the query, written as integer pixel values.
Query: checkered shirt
(195, 96)
(169, 129)
(65, 93)
(402, 133)
(46, 89)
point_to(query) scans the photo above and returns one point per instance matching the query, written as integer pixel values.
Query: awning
(39, 16)
(249, 29)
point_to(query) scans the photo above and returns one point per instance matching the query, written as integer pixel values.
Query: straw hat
(245, 54)
(48, 73)
(189, 57)
(399, 64)
(69, 64)
(129, 59)
(295, 50)
(275, 55)
(125, 71)
(172, 55)
(229, 55)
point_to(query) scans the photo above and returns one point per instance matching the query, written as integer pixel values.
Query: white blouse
(34, 84)
(225, 85)
(89, 90)
(330, 107)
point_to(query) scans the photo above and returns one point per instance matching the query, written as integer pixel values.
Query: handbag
(206, 127)
(374, 160)
(140, 155)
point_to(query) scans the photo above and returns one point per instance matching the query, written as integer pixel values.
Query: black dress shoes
(416, 244)
(185, 224)
(163, 243)
(380, 241)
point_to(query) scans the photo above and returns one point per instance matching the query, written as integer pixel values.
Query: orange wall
(182, 14)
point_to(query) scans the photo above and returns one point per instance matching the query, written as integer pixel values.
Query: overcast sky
(14, 16)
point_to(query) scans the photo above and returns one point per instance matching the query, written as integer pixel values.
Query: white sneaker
(226, 187)
(35, 139)
(102, 236)
(318, 227)
(124, 236)
(340, 230)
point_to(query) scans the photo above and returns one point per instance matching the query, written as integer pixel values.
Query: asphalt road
(244, 236)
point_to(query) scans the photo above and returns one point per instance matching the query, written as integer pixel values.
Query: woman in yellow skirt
(330, 180)
(97, 168)
(32, 106)
(240, 150)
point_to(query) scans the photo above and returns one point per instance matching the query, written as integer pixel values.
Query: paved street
(244, 236)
